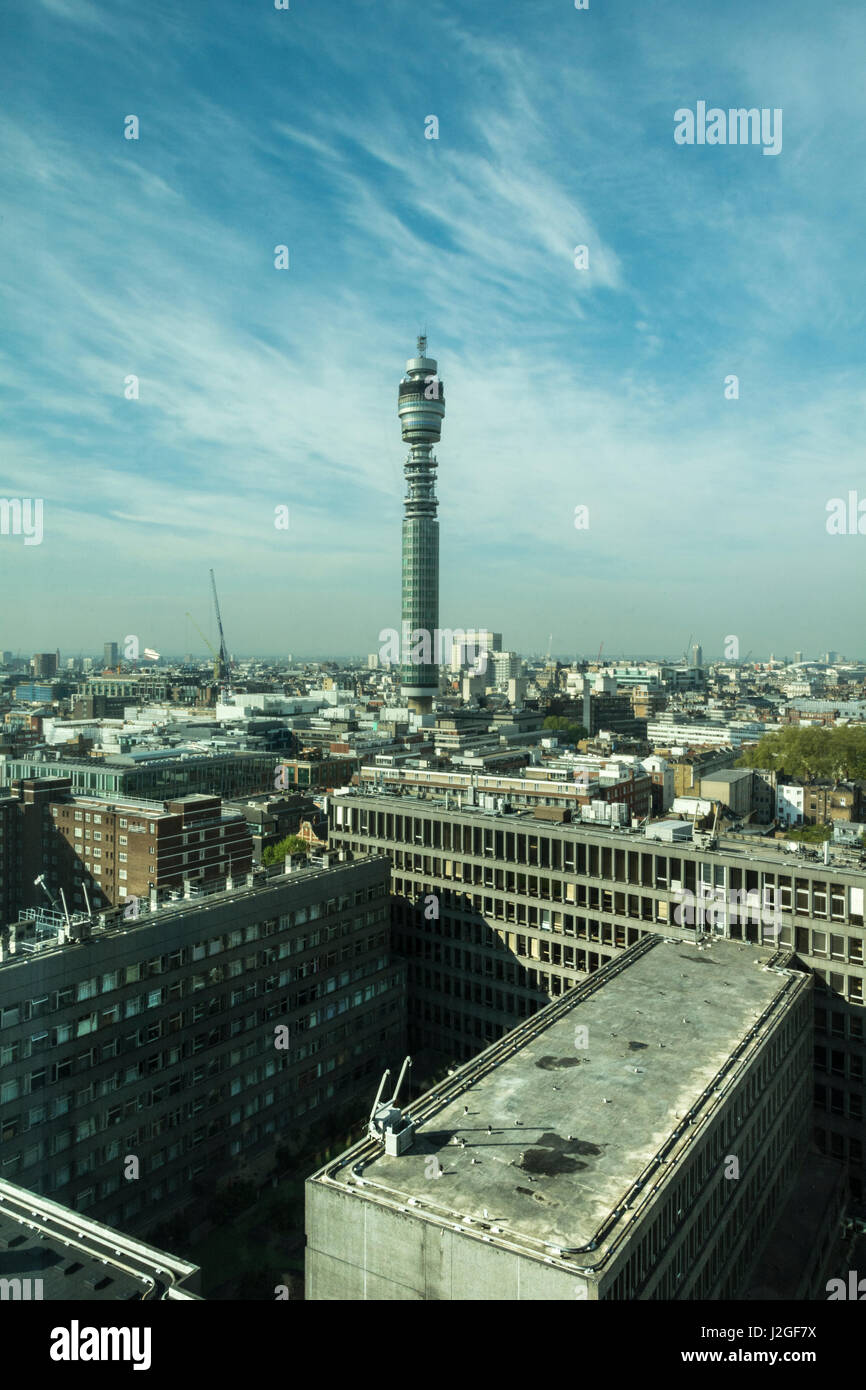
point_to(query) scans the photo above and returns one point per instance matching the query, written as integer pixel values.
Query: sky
(605, 386)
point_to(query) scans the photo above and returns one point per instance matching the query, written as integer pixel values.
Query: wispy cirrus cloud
(256, 388)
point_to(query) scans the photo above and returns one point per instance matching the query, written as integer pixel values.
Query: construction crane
(211, 648)
(222, 673)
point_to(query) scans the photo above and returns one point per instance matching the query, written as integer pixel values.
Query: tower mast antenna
(421, 407)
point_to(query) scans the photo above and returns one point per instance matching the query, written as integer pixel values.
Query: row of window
(22, 1012)
(620, 865)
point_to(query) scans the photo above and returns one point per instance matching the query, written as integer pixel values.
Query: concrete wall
(358, 1249)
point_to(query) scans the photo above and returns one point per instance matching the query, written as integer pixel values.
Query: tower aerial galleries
(421, 406)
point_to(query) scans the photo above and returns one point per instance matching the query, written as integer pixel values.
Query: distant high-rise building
(506, 666)
(110, 655)
(472, 642)
(798, 658)
(697, 654)
(421, 407)
(830, 658)
(44, 664)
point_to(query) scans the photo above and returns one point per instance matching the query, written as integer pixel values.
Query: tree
(811, 834)
(570, 729)
(292, 844)
(809, 752)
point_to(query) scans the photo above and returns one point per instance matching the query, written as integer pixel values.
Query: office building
(421, 407)
(103, 852)
(10, 857)
(666, 731)
(37, 692)
(635, 1140)
(610, 785)
(57, 1255)
(503, 667)
(470, 643)
(195, 1037)
(320, 773)
(131, 689)
(110, 656)
(526, 908)
(44, 665)
(156, 774)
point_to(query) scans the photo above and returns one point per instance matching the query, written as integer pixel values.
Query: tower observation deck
(421, 407)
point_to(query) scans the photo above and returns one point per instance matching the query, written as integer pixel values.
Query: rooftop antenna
(66, 914)
(422, 343)
(40, 883)
(386, 1118)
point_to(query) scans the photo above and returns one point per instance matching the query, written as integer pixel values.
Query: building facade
(499, 914)
(653, 1168)
(154, 775)
(193, 1038)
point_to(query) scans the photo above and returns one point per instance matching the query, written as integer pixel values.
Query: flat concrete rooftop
(542, 1137)
(76, 1258)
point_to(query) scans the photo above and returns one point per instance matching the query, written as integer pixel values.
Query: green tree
(292, 844)
(811, 834)
(810, 752)
(570, 729)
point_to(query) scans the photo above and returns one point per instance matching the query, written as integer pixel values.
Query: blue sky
(603, 387)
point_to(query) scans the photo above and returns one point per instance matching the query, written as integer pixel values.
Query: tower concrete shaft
(421, 407)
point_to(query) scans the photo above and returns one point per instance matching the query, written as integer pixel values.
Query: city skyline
(599, 385)
(341, 771)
